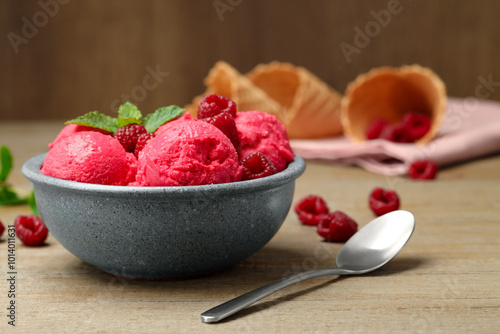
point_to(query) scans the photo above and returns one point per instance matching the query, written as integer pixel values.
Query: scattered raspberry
(212, 105)
(128, 135)
(227, 125)
(311, 209)
(417, 125)
(383, 201)
(375, 128)
(2, 228)
(142, 141)
(396, 133)
(337, 227)
(31, 230)
(256, 166)
(423, 170)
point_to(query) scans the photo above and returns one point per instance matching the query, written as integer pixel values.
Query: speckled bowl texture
(163, 232)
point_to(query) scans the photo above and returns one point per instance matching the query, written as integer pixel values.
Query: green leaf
(161, 116)
(32, 204)
(15, 201)
(5, 163)
(9, 196)
(129, 114)
(96, 120)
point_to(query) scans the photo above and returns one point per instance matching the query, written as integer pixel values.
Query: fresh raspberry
(396, 133)
(256, 165)
(128, 135)
(311, 209)
(423, 170)
(2, 228)
(375, 128)
(383, 201)
(31, 230)
(212, 105)
(142, 141)
(337, 227)
(417, 125)
(227, 125)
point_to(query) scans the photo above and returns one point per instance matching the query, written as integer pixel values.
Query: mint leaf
(32, 204)
(96, 120)
(9, 196)
(128, 114)
(5, 163)
(161, 116)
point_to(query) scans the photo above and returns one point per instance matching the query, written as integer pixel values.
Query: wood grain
(444, 281)
(90, 53)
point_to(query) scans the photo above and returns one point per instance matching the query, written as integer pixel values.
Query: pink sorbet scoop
(264, 133)
(90, 157)
(186, 153)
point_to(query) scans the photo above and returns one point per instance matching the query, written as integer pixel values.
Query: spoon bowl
(369, 249)
(377, 243)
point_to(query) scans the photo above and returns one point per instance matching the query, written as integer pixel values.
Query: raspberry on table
(337, 227)
(375, 128)
(423, 170)
(256, 165)
(311, 209)
(142, 141)
(417, 125)
(31, 230)
(212, 105)
(227, 125)
(128, 135)
(397, 133)
(2, 228)
(383, 201)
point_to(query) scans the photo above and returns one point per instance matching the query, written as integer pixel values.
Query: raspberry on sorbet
(128, 135)
(256, 166)
(212, 105)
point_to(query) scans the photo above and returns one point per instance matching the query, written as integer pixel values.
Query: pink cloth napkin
(470, 129)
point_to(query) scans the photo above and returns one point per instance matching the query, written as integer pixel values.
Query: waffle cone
(224, 80)
(388, 93)
(310, 108)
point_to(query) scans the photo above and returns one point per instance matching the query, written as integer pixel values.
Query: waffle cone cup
(309, 107)
(224, 80)
(389, 93)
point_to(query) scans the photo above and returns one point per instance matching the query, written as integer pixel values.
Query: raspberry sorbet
(186, 153)
(90, 157)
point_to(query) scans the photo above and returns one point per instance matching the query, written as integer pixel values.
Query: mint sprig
(96, 119)
(128, 113)
(161, 116)
(8, 194)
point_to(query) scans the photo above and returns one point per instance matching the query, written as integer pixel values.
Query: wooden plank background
(61, 58)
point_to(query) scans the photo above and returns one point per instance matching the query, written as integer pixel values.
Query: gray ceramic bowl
(163, 232)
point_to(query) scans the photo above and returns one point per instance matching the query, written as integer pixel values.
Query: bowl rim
(31, 170)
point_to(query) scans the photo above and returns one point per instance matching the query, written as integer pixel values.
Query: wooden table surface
(446, 279)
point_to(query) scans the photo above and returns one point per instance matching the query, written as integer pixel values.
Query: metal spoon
(369, 249)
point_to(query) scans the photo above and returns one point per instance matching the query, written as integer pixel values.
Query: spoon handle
(234, 305)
